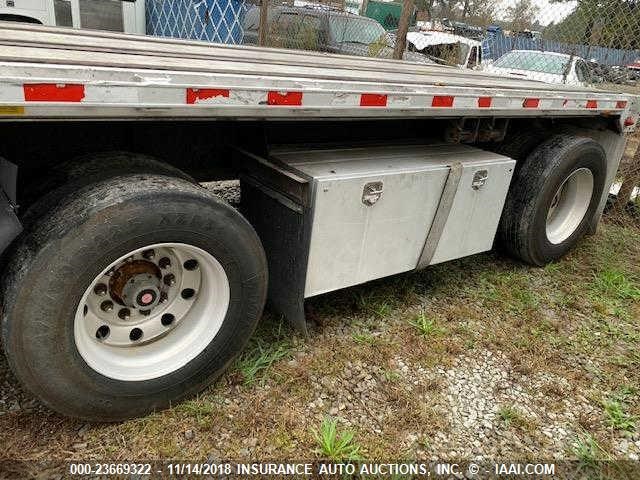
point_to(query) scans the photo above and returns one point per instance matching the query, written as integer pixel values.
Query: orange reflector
(531, 102)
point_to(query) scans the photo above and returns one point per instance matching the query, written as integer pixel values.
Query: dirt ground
(478, 358)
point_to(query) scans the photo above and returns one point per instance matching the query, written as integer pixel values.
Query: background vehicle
(385, 13)
(548, 67)
(114, 15)
(463, 29)
(128, 286)
(324, 30)
(442, 46)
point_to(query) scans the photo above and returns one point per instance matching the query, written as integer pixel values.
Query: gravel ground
(514, 362)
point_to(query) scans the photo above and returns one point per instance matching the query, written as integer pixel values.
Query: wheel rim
(151, 312)
(569, 205)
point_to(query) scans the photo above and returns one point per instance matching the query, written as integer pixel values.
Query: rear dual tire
(554, 195)
(68, 359)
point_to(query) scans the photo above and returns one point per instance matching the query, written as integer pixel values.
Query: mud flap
(10, 226)
(275, 202)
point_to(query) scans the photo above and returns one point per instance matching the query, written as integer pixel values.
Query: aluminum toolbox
(350, 215)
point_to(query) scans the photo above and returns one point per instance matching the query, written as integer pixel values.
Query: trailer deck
(49, 72)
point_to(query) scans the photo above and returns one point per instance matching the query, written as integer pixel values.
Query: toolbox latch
(371, 193)
(479, 179)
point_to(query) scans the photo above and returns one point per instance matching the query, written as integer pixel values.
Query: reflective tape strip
(484, 102)
(442, 101)
(284, 98)
(52, 92)
(172, 96)
(373, 100)
(195, 95)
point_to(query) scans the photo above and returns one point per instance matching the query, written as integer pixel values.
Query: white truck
(114, 15)
(126, 286)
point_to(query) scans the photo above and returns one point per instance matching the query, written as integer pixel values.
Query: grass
(425, 325)
(271, 344)
(201, 409)
(615, 410)
(587, 450)
(364, 338)
(335, 445)
(613, 284)
(256, 362)
(576, 319)
(511, 416)
(617, 417)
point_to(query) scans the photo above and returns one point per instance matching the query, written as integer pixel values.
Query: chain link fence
(592, 43)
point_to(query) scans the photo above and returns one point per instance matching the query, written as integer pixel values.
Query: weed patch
(334, 445)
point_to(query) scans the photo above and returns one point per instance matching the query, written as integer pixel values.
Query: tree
(479, 12)
(607, 23)
(522, 15)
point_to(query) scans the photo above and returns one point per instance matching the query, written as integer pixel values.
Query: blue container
(212, 20)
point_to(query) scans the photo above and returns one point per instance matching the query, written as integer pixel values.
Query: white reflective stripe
(111, 94)
(11, 93)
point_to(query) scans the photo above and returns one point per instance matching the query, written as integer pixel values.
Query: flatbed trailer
(127, 286)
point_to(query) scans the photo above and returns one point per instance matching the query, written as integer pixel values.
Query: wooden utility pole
(263, 27)
(403, 28)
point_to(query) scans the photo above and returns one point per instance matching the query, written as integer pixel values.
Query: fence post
(403, 28)
(264, 24)
(363, 8)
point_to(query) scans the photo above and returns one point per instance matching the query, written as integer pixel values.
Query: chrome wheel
(151, 311)
(569, 205)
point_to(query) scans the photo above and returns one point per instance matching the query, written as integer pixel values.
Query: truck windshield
(533, 61)
(355, 30)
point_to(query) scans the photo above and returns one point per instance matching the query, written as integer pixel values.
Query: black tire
(519, 145)
(57, 260)
(523, 231)
(79, 172)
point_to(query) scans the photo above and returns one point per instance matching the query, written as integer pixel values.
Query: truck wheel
(87, 169)
(520, 144)
(552, 199)
(132, 294)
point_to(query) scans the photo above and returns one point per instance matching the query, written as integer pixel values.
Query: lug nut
(163, 297)
(103, 332)
(135, 335)
(100, 289)
(124, 313)
(167, 319)
(106, 306)
(149, 254)
(164, 262)
(170, 280)
(191, 264)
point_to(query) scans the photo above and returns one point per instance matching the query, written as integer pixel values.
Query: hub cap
(569, 205)
(151, 311)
